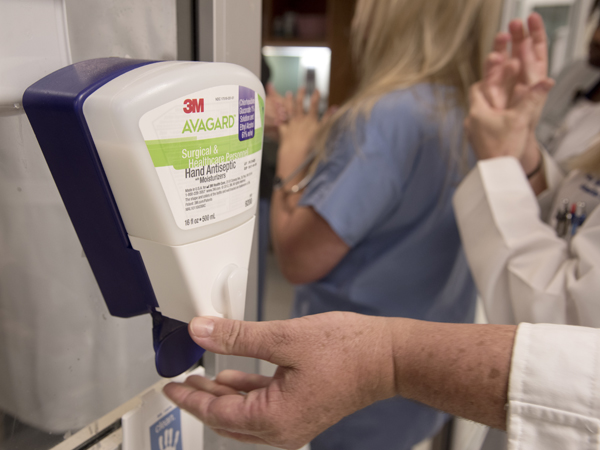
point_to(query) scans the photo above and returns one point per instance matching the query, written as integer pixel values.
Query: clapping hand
(506, 104)
(275, 112)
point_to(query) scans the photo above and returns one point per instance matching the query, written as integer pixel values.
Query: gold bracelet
(279, 183)
(300, 185)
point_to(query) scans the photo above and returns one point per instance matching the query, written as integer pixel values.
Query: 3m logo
(193, 105)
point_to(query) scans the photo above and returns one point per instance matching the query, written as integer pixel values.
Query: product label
(165, 433)
(206, 148)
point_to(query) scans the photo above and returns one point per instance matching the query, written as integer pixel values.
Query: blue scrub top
(386, 189)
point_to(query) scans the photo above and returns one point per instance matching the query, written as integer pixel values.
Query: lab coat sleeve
(553, 394)
(523, 271)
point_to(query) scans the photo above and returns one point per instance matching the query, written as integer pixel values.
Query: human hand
(275, 112)
(506, 105)
(530, 48)
(528, 60)
(330, 365)
(497, 132)
(298, 134)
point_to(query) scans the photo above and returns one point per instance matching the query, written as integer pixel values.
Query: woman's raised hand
(297, 135)
(506, 104)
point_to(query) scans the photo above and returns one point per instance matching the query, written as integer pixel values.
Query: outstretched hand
(330, 365)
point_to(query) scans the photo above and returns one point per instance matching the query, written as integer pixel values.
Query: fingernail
(201, 327)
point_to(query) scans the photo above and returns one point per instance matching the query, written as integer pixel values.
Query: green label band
(191, 152)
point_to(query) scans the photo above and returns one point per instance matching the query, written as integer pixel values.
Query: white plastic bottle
(181, 147)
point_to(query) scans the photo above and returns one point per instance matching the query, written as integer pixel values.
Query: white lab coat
(526, 273)
(553, 396)
(523, 270)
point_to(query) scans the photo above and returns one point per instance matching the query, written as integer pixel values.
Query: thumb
(237, 337)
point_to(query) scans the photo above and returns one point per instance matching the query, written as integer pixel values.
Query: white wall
(64, 360)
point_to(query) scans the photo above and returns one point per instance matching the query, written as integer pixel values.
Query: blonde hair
(400, 43)
(589, 161)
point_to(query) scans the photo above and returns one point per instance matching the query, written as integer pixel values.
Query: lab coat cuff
(553, 388)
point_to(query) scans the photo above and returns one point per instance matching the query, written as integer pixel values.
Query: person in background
(537, 381)
(362, 207)
(530, 263)
(528, 268)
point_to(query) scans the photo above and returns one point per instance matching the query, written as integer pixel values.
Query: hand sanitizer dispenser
(158, 164)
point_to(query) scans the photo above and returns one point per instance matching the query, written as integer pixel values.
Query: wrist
(400, 330)
(531, 159)
(291, 185)
(376, 370)
(537, 169)
(538, 181)
(293, 179)
(534, 169)
(289, 158)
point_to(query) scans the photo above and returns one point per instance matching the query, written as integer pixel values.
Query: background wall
(65, 361)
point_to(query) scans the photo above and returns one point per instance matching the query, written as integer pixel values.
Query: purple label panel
(246, 114)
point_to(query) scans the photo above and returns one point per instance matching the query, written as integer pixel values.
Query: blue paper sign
(165, 433)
